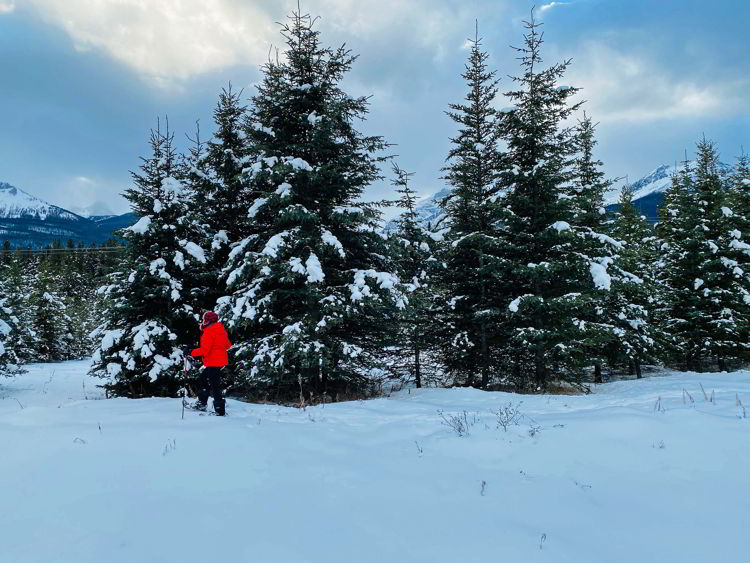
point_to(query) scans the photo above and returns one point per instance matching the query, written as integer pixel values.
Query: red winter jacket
(214, 346)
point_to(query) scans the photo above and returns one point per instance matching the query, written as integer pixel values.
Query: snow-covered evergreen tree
(310, 281)
(77, 287)
(724, 282)
(739, 203)
(677, 268)
(637, 296)
(556, 265)
(150, 318)
(706, 306)
(52, 340)
(419, 323)
(473, 317)
(619, 314)
(8, 328)
(19, 274)
(216, 187)
(589, 181)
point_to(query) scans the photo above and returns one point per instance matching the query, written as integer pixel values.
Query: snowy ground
(610, 477)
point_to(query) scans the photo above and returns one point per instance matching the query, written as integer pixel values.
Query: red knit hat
(210, 318)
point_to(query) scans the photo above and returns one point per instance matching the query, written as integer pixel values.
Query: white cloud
(428, 21)
(634, 87)
(164, 39)
(7, 6)
(87, 195)
(171, 40)
(551, 5)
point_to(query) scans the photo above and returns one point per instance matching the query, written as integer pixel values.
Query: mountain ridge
(648, 196)
(28, 221)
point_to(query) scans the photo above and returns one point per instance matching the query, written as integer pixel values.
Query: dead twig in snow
(688, 395)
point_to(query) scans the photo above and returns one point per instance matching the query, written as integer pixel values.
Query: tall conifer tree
(555, 261)
(8, 327)
(474, 167)
(706, 304)
(415, 249)
(310, 281)
(150, 317)
(639, 294)
(215, 187)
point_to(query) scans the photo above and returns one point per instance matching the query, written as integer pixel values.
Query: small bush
(509, 415)
(460, 423)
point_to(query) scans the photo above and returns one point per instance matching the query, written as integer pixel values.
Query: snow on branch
(194, 250)
(331, 240)
(602, 280)
(515, 304)
(560, 226)
(142, 226)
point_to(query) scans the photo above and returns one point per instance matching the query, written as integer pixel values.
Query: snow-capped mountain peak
(657, 182)
(18, 204)
(648, 193)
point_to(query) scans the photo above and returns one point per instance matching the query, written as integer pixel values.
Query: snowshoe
(219, 407)
(196, 406)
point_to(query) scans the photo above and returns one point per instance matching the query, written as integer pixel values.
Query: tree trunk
(598, 373)
(638, 369)
(485, 357)
(483, 329)
(517, 371)
(540, 370)
(722, 363)
(417, 365)
(323, 374)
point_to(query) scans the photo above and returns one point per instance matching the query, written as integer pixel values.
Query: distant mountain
(18, 204)
(26, 220)
(110, 224)
(96, 209)
(648, 196)
(428, 211)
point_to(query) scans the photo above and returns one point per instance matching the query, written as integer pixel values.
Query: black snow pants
(209, 382)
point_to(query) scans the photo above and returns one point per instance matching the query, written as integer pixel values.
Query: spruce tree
(17, 298)
(417, 325)
(588, 213)
(638, 295)
(51, 339)
(150, 318)
(619, 315)
(556, 265)
(724, 283)
(473, 317)
(706, 307)
(310, 280)
(9, 327)
(589, 181)
(215, 187)
(739, 203)
(678, 268)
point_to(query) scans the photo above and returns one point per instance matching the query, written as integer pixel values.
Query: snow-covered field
(618, 476)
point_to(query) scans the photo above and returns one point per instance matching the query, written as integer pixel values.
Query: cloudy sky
(82, 81)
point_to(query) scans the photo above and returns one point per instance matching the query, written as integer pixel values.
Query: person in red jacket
(214, 346)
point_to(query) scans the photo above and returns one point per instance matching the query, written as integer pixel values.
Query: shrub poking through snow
(460, 423)
(509, 415)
